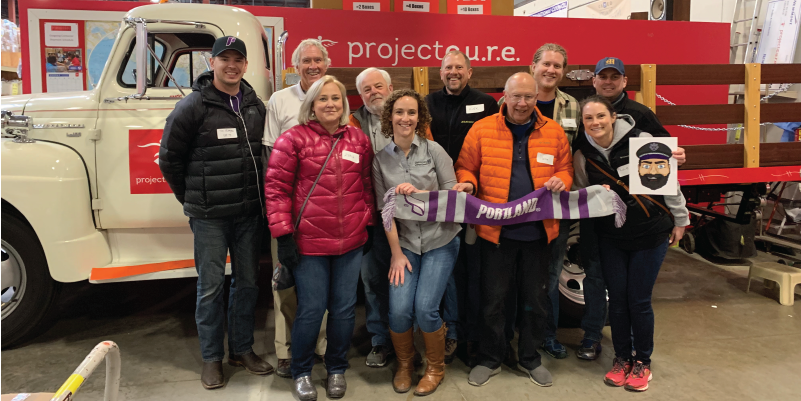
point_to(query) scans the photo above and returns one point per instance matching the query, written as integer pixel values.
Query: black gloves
(288, 254)
(369, 244)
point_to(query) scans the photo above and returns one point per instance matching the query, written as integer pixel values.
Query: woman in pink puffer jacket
(325, 250)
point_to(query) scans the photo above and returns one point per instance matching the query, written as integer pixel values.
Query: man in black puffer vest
(210, 157)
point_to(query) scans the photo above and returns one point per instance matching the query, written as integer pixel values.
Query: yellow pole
(648, 85)
(421, 80)
(753, 79)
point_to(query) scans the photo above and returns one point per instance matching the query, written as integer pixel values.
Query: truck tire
(28, 291)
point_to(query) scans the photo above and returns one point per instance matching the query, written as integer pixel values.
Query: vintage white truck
(82, 194)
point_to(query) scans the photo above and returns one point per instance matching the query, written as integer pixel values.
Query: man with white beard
(374, 87)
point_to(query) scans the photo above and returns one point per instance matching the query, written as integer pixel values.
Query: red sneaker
(639, 377)
(620, 370)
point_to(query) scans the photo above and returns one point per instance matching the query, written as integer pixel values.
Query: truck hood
(22, 104)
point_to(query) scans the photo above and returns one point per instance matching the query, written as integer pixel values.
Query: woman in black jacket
(632, 254)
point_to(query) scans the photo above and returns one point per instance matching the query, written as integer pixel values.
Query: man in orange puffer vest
(505, 157)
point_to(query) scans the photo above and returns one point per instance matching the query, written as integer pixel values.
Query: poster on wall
(470, 7)
(779, 34)
(605, 9)
(652, 168)
(63, 62)
(366, 5)
(417, 6)
(542, 8)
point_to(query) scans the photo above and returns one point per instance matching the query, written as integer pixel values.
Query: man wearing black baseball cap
(209, 156)
(610, 81)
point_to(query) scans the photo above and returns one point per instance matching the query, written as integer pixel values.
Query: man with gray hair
(374, 87)
(311, 61)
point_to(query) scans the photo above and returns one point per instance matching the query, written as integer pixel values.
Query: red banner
(417, 6)
(470, 7)
(366, 5)
(143, 162)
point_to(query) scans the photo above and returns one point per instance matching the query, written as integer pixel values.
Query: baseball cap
(610, 62)
(228, 43)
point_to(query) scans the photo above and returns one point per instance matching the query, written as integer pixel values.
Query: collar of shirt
(299, 91)
(229, 101)
(463, 94)
(415, 144)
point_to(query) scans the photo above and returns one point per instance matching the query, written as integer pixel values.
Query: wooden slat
(724, 113)
(751, 131)
(648, 85)
(701, 74)
(781, 73)
(700, 114)
(420, 76)
(700, 157)
(401, 77)
(485, 79)
(779, 112)
(780, 154)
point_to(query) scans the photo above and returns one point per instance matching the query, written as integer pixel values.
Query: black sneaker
(553, 348)
(590, 350)
(283, 368)
(379, 356)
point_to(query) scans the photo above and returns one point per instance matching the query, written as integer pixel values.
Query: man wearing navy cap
(610, 81)
(210, 157)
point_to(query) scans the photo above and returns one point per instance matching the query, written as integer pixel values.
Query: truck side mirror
(141, 57)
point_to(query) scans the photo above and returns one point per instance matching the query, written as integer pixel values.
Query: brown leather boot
(404, 353)
(435, 370)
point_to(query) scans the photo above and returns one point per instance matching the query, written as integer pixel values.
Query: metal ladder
(740, 17)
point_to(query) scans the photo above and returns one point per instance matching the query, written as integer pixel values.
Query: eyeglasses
(517, 98)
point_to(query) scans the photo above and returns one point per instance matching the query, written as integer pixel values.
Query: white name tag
(226, 133)
(474, 108)
(350, 156)
(415, 6)
(545, 159)
(623, 170)
(569, 123)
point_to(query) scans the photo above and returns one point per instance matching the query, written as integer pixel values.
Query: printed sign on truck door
(143, 162)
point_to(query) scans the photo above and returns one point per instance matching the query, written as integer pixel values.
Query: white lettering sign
(61, 35)
(470, 9)
(367, 6)
(416, 6)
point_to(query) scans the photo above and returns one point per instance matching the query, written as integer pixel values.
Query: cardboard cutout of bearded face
(654, 165)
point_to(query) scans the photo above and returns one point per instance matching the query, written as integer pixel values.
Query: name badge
(623, 170)
(226, 133)
(474, 108)
(545, 159)
(350, 156)
(569, 123)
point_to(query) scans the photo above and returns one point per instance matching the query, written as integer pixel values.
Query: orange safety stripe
(109, 273)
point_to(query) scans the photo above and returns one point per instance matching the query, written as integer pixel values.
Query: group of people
(320, 175)
(60, 62)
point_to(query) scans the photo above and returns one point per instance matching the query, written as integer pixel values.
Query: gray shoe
(336, 386)
(539, 375)
(480, 375)
(379, 356)
(305, 389)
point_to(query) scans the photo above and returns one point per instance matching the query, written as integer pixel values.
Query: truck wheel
(28, 291)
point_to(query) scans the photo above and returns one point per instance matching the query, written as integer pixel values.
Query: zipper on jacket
(339, 193)
(252, 157)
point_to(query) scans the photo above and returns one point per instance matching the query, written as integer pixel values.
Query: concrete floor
(713, 342)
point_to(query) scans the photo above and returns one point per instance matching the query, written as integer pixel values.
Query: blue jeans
(630, 278)
(375, 269)
(420, 295)
(214, 239)
(325, 282)
(594, 289)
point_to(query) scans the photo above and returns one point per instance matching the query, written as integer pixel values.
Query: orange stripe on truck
(110, 273)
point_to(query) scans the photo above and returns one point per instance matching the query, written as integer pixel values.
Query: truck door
(132, 191)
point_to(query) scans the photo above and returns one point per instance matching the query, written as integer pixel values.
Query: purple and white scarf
(542, 204)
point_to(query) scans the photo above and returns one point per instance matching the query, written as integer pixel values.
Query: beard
(654, 181)
(375, 108)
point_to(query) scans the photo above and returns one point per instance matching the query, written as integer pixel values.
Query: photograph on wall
(63, 69)
(652, 168)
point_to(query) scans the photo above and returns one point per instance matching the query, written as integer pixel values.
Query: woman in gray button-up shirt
(423, 253)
